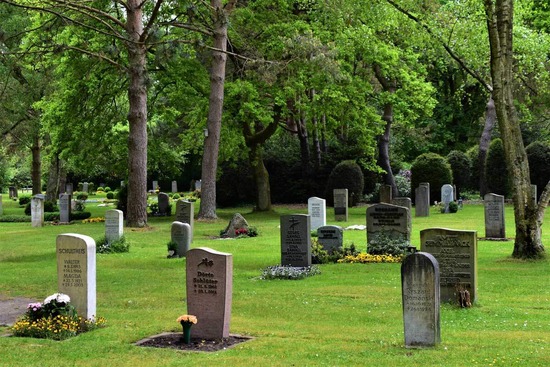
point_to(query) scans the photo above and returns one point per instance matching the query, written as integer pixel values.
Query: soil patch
(174, 341)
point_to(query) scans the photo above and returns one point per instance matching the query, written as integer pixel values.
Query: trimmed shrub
(461, 166)
(24, 200)
(80, 215)
(122, 197)
(14, 218)
(346, 175)
(432, 168)
(498, 181)
(107, 189)
(473, 155)
(538, 154)
(110, 195)
(82, 196)
(100, 189)
(49, 207)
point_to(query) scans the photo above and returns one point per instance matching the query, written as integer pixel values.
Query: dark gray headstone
(317, 210)
(185, 212)
(405, 202)
(85, 187)
(385, 194)
(69, 188)
(456, 253)
(163, 201)
(390, 221)
(340, 205)
(295, 240)
(64, 208)
(330, 237)
(37, 211)
(422, 200)
(209, 277)
(494, 216)
(421, 308)
(181, 234)
(447, 193)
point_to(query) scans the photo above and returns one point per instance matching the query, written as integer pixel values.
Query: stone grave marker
(163, 202)
(422, 200)
(13, 192)
(421, 304)
(237, 223)
(388, 220)
(330, 237)
(317, 210)
(198, 185)
(155, 185)
(174, 186)
(69, 188)
(340, 205)
(37, 211)
(494, 216)
(447, 193)
(456, 253)
(85, 187)
(114, 225)
(295, 240)
(385, 194)
(64, 208)
(209, 275)
(181, 234)
(403, 201)
(76, 271)
(185, 212)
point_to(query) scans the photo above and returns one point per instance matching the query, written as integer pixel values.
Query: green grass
(350, 315)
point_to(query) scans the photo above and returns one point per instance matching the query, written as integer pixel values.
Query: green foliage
(473, 155)
(453, 207)
(176, 196)
(51, 217)
(24, 199)
(12, 218)
(403, 183)
(346, 175)
(78, 215)
(49, 207)
(118, 246)
(172, 246)
(110, 195)
(107, 189)
(498, 180)
(384, 244)
(538, 154)
(122, 197)
(432, 168)
(461, 166)
(82, 196)
(289, 272)
(100, 189)
(321, 256)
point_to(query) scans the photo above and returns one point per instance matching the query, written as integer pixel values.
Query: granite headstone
(181, 235)
(494, 216)
(317, 209)
(340, 205)
(330, 237)
(113, 225)
(295, 240)
(185, 212)
(422, 200)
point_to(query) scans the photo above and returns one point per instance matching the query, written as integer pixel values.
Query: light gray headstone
(198, 185)
(403, 201)
(37, 211)
(209, 275)
(69, 188)
(295, 240)
(494, 216)
(181, 234)
(113, 225)
(155, 185)
(385, 194)
(422, 200)
(420, 294)
(340, 205)
(447, 193)
(85, 187)
(76, 271)
(174, 186)
(330, 237)
(317, 209)
(185, 212)
(163, 201)
(456, 253)
(64, 208)
(389, 220)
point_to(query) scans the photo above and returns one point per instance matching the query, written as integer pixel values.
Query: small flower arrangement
(364, 258)
(94, 220)
(186, 322)
(55, 318)
(289, 272)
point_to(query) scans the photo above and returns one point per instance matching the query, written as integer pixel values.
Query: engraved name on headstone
(422, 200)
(340, 205)
(494, 216)
(330, 237)
(447, 193)
(113, 225)
(295, 240)
(390, 221)
(317, 212)
(181, 234)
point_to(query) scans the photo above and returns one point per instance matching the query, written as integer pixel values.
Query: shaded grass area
(349, 315)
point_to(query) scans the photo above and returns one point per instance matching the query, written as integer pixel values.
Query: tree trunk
(316, 139)
(137, 118)
(36, 171)
(304, 145)
(261, 178)
(499, 23)
(55, 172)
(484, 142)
(215, 108)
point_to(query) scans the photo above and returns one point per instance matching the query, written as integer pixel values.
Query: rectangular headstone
(405, 202)
(181, 234)
(13, 192)
(163, 202)
(198, 185)
(447, 193)
(340, 205)
(295, 240)
(185, 213)
(37, 211)
(420, 294)
(494, 216)
(422, 200)
(317, 209)
(64, 208)
(389, 221)
(85, 187)
(330, 237)
(174, 186)
(155, 185)
(69, 188)
(209, 277)
(456, 253)
(114, 225)
(385, 194)
(76, 271)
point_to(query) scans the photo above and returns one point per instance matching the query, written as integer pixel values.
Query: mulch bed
(174, 341)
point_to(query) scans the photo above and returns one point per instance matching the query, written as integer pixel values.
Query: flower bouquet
(186, 322)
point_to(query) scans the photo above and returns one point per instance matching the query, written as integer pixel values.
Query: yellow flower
(187, 318)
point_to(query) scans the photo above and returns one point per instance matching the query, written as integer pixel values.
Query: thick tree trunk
(484, 142)
(55, 172)
(316, 139)
(499, 23)
(261, 178)
(137, 118)
(304, 146)
(214, 121)
(36, 171)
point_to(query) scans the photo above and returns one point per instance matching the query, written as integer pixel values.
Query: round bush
(473, 156)
(100, 189)
(176, 196)
(107, 189)
(49, 207)
(82, 196)
(110, 195)
(538, 154)
(432, 168)
(346, 175)
(498, 181)
(460, 165)
(24, 200)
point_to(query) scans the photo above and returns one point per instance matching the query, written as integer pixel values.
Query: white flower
(58, 297)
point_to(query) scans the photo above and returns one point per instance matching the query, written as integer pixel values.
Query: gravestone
(317, 210)
(122, 184)
(185, 213)
(174, 186)
(198, 185)
(64, 208)
(164, 202)
(113, 225)
(340, 205)
(181, 234)
(69, 188)
(390, 221)
(13, 192)
(37, 211)
(295, 240)
(155, 185)
(385, 194)
(456, 253)
(422, 200)
(85, 187)
(403, 201)
(237, 223)
(421, 305)
(447, 193)
(209, 277)
(76, 271)
(330, 237)
(494, 216)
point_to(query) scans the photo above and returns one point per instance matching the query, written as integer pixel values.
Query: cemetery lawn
(349, 315)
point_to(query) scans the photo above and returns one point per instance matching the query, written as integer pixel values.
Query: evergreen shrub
(498, 181)
(346, 175)
(461, 166)
(432, 168)
(538, 154)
